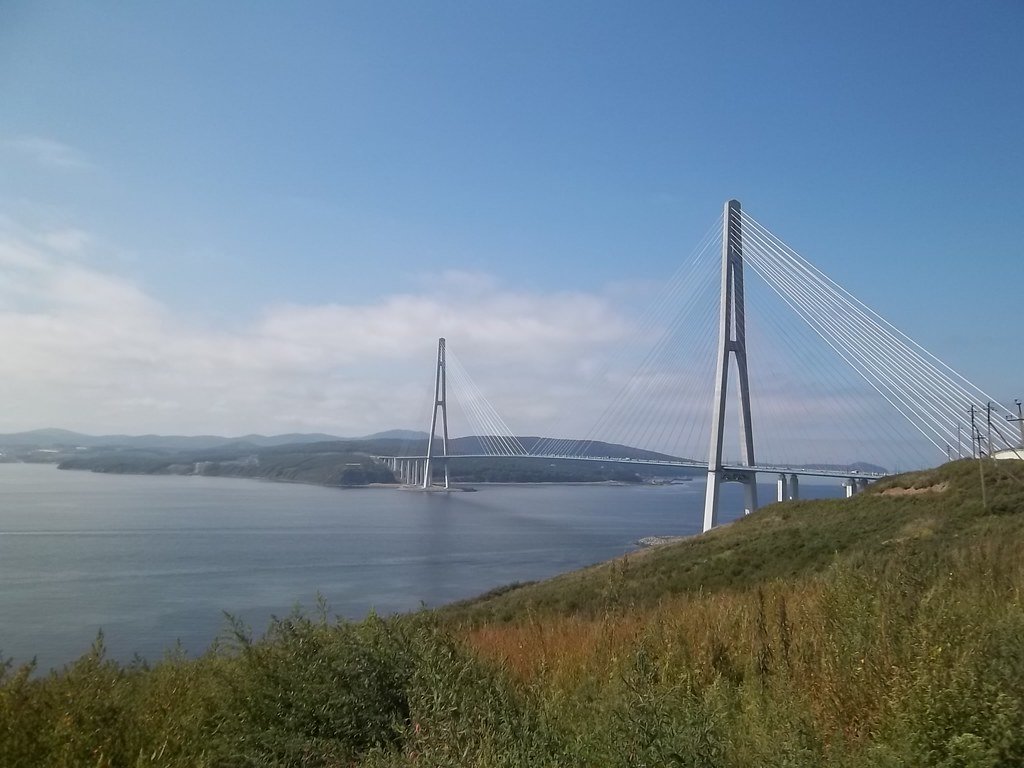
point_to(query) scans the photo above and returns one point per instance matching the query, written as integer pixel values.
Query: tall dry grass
(916, 656)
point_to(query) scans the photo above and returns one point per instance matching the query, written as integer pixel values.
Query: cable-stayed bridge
(820, 379)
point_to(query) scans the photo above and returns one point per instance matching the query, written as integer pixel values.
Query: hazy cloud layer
(90, 350)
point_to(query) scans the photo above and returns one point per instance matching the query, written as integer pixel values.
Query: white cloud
(49, 153)
(87, 349)
(69, 241)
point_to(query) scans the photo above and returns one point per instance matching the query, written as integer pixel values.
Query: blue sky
(256, 180)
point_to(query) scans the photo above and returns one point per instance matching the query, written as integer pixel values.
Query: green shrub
(309, 693)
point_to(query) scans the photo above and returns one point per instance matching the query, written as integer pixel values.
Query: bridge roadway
(840, 474)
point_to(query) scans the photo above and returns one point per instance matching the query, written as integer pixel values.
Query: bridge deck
(778, 470)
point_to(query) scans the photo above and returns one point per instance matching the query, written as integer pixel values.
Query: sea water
(159, 560)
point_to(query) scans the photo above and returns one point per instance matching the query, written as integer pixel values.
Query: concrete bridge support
(782, 487)
(855, 485)
(787, 487)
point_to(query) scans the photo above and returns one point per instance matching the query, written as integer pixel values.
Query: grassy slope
(785, 541)
(885, 630)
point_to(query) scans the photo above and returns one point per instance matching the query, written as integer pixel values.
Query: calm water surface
(153, 560)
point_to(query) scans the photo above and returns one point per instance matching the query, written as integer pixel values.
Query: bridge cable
(867, 342)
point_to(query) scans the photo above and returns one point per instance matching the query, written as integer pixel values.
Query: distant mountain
(62, 438)
(61, 443)
(601, 448)
(292, 438)
(336, 462)
(857, 466)
(397, 434)
(45, 438)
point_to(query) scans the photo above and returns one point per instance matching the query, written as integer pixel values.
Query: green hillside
(883, 630)
(917, 516)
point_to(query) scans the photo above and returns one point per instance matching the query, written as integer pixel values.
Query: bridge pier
(714, 486)
(855, 485)
(750, 495)
(781, 486)
(715, 479)
(794, 487)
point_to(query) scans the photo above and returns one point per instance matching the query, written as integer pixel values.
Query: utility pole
(1019, 420)
(988, 420)
(974, 431)
(981, 465)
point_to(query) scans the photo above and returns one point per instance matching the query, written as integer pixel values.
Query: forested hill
(333, 462)
(348, 462)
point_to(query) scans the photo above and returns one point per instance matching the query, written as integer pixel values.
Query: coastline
(393, 486)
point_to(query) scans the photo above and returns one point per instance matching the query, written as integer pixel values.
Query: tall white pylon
(440, 401)
(732, 338)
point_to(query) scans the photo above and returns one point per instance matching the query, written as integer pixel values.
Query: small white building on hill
(1010, 453)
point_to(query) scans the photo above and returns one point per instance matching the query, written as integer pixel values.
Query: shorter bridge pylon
(440, 402)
